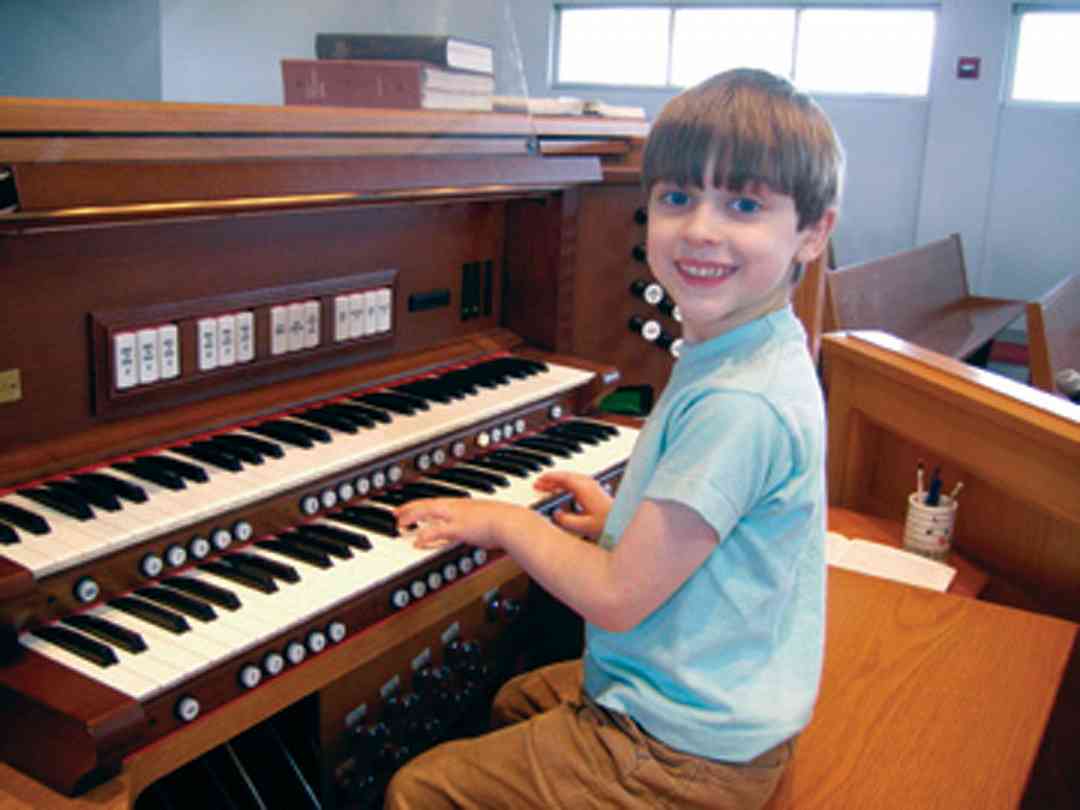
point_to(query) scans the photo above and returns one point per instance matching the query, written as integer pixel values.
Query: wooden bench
(920, 295)
(1053, 327)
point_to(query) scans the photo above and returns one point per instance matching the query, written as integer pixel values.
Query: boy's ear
(815, 237)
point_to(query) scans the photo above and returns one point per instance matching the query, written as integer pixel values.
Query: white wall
(232, 52)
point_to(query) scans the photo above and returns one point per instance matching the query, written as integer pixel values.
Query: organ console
(234, 338)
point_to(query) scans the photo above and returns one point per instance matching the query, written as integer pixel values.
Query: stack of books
(404, 71)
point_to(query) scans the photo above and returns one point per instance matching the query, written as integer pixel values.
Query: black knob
(641, 216)
(638, 253)
(668, 306)
(648, 329)
(648, 291)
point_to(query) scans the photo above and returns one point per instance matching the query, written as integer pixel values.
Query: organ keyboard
(221, 544)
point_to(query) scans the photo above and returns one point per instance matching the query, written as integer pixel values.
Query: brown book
(397, 83)
(438, 49)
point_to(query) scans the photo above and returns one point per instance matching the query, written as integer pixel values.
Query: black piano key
(185, 469)
(8, 537)
(326, 419)
(315, 432)
(323, 545)
(429, 489)
(376, 414)
(88, 492)
(501, 466)
(181, 603)
(208, 454)
(391, 497)
(251, 579)
(148, 472)
(222, 597)
(24, 519)
(488, 375)
(544, 445)
(461, 381)
(472, 478)
(397, 403)
(320, 559)
(356, 414)
(596, 428)
(561, 431)
(286, 432)
(243, 442)
(534, 461)
(273, 568)
(154, 614)
(125, 490)
(354, 539)
(428, 389)
(370, 517)
(107, 631)
(77, 643)
(466, 481)
(61, 501)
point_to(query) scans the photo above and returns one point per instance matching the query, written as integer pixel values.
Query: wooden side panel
(611, 231)
(1016, 450)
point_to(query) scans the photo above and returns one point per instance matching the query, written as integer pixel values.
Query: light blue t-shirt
(730, 664)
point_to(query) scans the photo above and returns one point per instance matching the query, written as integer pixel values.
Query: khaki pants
(555, 748)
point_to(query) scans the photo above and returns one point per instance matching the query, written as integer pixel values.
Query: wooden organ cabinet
(233, 338)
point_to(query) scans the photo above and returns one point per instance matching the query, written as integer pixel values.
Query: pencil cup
(928, 530)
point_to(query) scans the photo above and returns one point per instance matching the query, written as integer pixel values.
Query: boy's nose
(703, 225)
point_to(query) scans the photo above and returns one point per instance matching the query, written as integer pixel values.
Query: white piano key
(123, 680)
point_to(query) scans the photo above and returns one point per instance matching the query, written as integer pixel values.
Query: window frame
(798, 7)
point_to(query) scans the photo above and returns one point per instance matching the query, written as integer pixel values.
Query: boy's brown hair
(760, 129)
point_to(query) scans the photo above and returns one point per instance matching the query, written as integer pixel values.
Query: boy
(704, 598)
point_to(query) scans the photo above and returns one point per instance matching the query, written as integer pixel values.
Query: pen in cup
(956, 490)
(933, 494)
(919, 472)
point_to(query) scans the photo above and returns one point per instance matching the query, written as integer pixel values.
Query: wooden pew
(808, 301)
(920, 295)
(1053, 327)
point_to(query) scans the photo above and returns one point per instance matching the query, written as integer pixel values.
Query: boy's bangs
(682, 151)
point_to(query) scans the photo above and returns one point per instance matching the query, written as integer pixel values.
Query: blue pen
(933, 495)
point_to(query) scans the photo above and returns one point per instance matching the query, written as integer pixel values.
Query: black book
(439, 49)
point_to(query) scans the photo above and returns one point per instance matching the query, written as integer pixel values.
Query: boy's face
(727, 257)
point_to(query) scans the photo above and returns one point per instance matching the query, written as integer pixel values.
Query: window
(1047, 60)
(824, 49)
(865, 51)
(709, 40)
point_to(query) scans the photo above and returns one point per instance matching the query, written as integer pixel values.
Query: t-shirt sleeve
(723, 454)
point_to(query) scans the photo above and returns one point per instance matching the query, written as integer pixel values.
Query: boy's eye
(676, 197)
(745, 205)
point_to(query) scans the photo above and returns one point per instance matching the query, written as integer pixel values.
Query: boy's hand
(478, 522)
(592, 501)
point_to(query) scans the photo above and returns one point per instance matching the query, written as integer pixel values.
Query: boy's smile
(727, 257)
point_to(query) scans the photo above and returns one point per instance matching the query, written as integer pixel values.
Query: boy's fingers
(416, 511)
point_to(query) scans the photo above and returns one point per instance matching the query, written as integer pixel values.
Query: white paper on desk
(888, 562)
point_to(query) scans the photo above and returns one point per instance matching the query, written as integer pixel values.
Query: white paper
(888, 562)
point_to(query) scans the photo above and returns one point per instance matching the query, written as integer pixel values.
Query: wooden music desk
(928, 700)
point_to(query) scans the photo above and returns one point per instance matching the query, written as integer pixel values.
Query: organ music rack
(131, 215)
